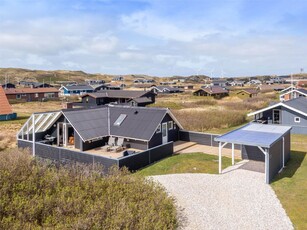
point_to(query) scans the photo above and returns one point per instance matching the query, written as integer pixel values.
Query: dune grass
(40, 195)
(185, 163)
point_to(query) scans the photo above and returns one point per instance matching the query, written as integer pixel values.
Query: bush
(37, 195)
(198, 120)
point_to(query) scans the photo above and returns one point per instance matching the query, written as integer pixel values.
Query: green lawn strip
(185, 163)
(290, 186)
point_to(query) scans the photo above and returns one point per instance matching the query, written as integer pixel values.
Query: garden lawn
(291, 185)
(185, 163)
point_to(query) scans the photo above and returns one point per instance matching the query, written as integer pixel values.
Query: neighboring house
(247, 93)
(118, 78)
(26, 83)
(143, 81)
(214, 91)
(168, 83)
(108, 86)
(133, 98)
(40, 85)
(165, 89)
(285, 90)
(33, 84)
(292, 113)
(237, 83)
(6, 112)
(144, 86)
(219, 82)
(275, 87)
(269, 82)
(141, 128)
(94, 82)
(31, 94)
(294, 93)
(254, 82)
(185, 87)
(71, 90)
(8, 86)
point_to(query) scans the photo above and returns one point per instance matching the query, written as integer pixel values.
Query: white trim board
(274, 106)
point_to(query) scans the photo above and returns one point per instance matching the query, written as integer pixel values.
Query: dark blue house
(291, 113)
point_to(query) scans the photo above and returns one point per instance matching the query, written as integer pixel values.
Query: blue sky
(158, 37)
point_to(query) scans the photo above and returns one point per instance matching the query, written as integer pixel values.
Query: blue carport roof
(255, 135)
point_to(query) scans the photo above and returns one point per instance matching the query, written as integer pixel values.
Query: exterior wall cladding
(29, 96)
(173, 134)
(287, 118)
(276, 156)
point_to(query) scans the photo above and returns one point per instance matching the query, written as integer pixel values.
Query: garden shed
(267, 143)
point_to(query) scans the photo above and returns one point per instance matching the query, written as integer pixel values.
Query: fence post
(211, 140)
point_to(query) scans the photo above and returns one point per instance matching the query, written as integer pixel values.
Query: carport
(273, 141)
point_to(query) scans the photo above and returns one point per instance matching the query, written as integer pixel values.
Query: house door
(63, 135)
(276, 116)
(164, 133)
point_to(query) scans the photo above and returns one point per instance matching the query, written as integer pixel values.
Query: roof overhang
(254, 134)
(294, 90)
(276, 105)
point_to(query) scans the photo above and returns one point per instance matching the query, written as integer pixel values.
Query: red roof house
(6, 112)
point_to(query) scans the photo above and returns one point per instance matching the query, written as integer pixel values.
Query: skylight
(120, 119)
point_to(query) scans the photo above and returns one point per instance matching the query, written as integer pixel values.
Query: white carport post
(267, 164)
(283, 152)
(220, 156)
(33, 135)
(233, 153)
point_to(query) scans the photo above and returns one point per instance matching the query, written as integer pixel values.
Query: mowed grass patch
(291, 185)
(185, 163)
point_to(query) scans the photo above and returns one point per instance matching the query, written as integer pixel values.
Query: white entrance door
(164, 133)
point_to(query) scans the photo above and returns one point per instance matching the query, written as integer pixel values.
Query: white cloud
(147, 24)
(35, 60)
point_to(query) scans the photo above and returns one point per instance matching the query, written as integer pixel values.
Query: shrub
(38, 195)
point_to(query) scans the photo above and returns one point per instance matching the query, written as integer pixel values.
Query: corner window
(175, 126)
(159, 129)
(297, 119)
(170, 125)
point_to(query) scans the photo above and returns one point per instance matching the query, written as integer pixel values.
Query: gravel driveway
(237, 199)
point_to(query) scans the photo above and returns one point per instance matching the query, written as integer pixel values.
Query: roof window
(120, 119)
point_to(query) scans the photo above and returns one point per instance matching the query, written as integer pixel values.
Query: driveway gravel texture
(236, 199)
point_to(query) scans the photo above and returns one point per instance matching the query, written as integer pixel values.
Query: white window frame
(36, 95)
(159, 129)
(297, 119)
(170, 125)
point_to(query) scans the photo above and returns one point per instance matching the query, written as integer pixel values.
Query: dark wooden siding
(173, 134)
(252, 153)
